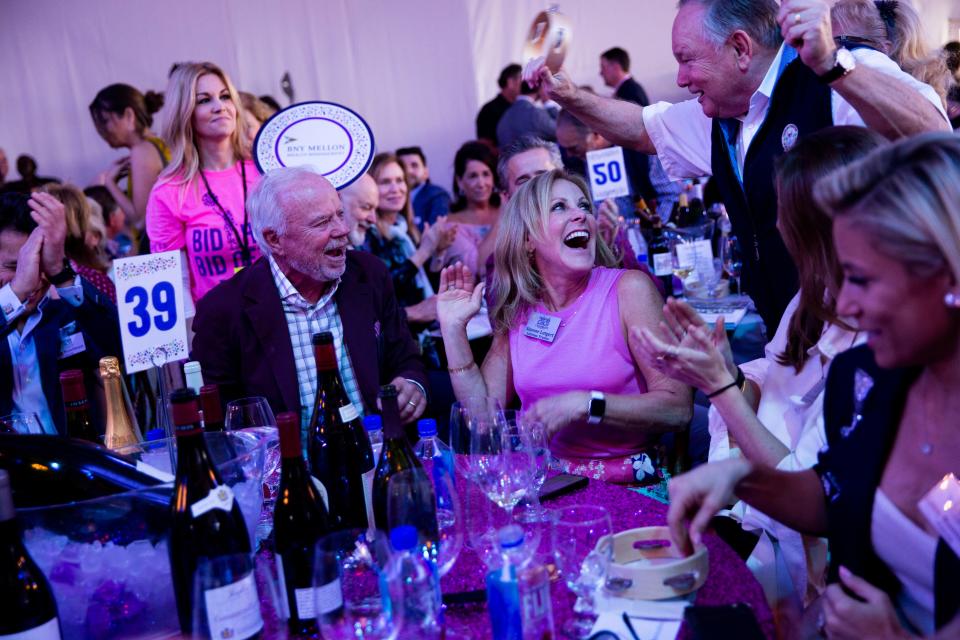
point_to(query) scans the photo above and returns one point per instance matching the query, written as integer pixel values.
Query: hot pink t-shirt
(589, 352)
(183, 216)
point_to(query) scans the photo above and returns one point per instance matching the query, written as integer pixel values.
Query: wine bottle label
(153, 472)
(233, 611)
(349, 413)
(368, 494)
(220, 497)
(662, 264)
(49, 630)
(323, 491)
(306, 599)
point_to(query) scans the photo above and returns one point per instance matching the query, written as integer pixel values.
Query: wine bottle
(30, 611)
(49, 471)
(121, 429)
(398, 455)
(340, 454)
(206, 523)
(79, 423)
(299, 520)
(211, 407)
(660, 259)
(193, 376)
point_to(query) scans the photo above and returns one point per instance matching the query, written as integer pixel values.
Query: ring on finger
(796, 18)
(412, 404)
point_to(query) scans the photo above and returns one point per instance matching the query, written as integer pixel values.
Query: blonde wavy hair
(517, 286)
(180, 101)
(893, 27)
(906, 198)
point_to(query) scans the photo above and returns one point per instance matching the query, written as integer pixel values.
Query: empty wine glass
(352, 599)
(732, 259)
(502, 462)
(225, 600)
(535, 436)
(412, 498)
(465, 417)
(254, 414)
(21, 423)
(582, 563)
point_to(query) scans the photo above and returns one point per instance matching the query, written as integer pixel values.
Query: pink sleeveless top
(589, 353)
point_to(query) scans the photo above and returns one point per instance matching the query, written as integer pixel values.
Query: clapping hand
(806, 25)
(459, 297)
(27, 284)
(51, 217)
(441, 234)
(117, 170)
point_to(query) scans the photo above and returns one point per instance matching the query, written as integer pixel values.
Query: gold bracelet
(454, 372)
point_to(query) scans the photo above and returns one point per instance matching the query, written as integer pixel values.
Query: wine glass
(21, 423)
(352, 599)
(225, 599)
(732, 259)
(413, 497)
(535, 436)
(254, 414)
(581, 562)
(503, 463)
(465, 417)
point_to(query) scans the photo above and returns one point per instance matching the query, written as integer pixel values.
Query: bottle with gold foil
(121, 429)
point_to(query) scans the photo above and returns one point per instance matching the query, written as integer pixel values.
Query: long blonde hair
(517, 286)
(181, 100)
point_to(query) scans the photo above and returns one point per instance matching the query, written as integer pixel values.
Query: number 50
(611, 169)
(164, 301)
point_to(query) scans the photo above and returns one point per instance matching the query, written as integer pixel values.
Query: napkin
(651, 619)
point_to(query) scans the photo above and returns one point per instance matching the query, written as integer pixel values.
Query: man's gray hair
(522, 145)
(276, 191)
(757, 18)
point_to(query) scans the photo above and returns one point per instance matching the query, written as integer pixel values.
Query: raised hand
(806, 25)
(51, 217)
(558, 86)
(26, 281)
(459, 298)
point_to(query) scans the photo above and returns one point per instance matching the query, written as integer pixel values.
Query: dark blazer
(243, 344)
(430, 203)
(638, 164)
(489, 118)
(851, 466)
(525, 118)
(96, 320)
(631, 91)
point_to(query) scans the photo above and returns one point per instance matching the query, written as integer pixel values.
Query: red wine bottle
(398, 455)
(299, 520)
(206, 521)
(212, 409)
(48, 471)
(29, 609)
(79, 423)
(340, 454)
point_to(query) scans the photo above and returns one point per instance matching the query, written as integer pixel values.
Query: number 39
(164, 302)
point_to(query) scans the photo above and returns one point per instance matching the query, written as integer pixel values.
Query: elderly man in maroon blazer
(254, 331)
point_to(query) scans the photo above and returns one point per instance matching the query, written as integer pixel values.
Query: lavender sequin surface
(729, 581)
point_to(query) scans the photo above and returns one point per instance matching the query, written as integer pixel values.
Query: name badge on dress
(941, 507)
(540, 326)
(71, 341)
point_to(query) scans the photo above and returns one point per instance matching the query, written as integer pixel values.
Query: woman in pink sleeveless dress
(561, 321)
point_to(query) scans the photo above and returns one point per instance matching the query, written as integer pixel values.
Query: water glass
(535, 435)
(466, 417)
(502, 463)
(225, 600)
(353, 601)
(581, 563)
(21, 423)
(732, 259)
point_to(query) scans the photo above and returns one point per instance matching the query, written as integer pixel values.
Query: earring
(951, 300)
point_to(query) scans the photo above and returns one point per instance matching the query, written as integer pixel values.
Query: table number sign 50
(607, 175)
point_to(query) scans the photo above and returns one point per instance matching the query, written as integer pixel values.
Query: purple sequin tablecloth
(729, 581)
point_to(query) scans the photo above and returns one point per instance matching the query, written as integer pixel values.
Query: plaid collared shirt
(304, 320)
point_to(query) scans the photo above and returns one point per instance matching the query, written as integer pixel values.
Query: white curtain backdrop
(417, 70)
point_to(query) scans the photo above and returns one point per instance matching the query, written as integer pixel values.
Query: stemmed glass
(254, 414)
(352, 599)
(582, 563)
(413, 497)
(21, 423)
(732, 259)
(534, 435)
(502, 463)
(466, 417)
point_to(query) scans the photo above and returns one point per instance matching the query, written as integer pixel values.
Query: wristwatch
(66, 274)
(596, 408)
(843, 63)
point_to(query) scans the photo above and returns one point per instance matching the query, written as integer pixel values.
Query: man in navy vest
(763, 77)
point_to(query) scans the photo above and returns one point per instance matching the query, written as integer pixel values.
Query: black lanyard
(242, 241)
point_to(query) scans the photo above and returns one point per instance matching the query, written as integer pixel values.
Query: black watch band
(66, 274)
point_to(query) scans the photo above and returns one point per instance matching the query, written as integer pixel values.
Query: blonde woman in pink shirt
(198, 204)
(561, 320)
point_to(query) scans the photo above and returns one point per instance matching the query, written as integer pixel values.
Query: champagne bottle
(121, 429)
(340, 453)
(299, 520)
(397, 456)
(681, 215)
(30, 611)
(660, 259)
(50, 471)
(206, 522)
(79, 423)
